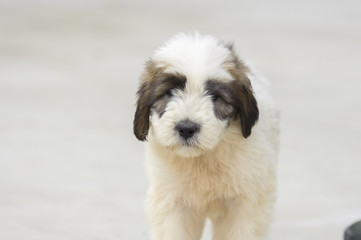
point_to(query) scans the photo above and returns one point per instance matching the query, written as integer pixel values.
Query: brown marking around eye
(237, 93)
(160, 105)
(154, 85)
(222, 98)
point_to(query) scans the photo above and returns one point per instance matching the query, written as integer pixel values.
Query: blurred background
(70, 167)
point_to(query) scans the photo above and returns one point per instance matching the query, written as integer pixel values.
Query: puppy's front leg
(241, 219)
(173, 221)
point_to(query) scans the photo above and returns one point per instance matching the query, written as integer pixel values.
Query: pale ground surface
(70, 167)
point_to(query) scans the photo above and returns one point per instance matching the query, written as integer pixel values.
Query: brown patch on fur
(160, 105)
(237, 93)
(155, 84)
(233, 100)
(247, 107)
(222, 96)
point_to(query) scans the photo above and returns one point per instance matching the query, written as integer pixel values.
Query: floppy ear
(246, 109)
(246, 104)
(141, 118)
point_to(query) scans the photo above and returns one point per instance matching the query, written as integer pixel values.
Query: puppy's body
(217, 169)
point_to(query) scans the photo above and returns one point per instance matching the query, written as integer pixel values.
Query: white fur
(222, 176)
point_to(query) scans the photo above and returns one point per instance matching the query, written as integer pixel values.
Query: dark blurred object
(353, 232)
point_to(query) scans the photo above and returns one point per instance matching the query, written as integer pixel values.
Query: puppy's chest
(209, 182)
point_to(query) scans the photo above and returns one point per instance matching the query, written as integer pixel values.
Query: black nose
(187, 129)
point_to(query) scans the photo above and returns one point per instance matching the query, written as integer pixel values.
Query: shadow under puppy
(212, 131)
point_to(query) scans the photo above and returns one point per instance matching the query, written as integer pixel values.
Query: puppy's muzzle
(187, 129)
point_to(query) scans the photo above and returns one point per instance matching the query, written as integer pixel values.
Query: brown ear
(141, 118)
(246, 109)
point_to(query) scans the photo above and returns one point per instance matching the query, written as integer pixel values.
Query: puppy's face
(191, 90)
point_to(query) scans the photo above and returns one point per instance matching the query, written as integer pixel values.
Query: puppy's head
(191, 90)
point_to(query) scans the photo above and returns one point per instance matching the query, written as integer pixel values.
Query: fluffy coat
(225, 172)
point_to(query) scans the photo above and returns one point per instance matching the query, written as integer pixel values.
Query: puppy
(212, 131)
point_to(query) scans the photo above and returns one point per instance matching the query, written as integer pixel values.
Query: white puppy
(212, 131)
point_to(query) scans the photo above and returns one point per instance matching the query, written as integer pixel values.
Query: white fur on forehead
(197, 57)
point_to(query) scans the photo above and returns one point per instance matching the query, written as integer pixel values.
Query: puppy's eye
(169, 93)
(219, 99)
(214, 97)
